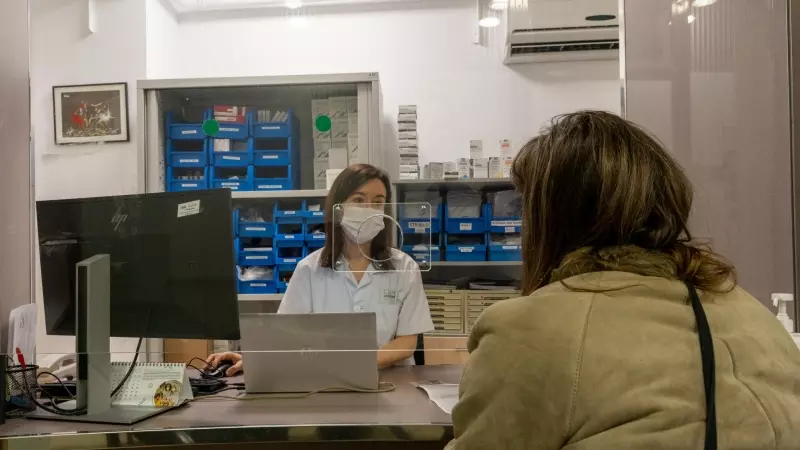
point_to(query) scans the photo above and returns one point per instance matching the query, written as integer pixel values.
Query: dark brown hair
(600, 193)
(343, 187)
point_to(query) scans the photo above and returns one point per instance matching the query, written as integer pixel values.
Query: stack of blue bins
(186, 155)
(255, 251)
(290, 239)
(465, 226)
(261, 156)
(505, 226)
(420, 218)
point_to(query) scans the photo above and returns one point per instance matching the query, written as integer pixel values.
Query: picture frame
(91, 113)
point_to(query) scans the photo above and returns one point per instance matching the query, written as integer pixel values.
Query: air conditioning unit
(562, 30)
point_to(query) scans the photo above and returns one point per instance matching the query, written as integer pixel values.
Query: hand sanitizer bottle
(780, 301)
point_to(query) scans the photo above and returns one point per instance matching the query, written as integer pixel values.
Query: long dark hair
(600, 193)
(343, 187)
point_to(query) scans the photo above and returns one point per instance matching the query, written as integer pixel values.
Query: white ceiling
(195, 6)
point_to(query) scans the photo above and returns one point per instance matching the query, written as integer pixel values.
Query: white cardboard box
(338, 157)
(409, 160)
(320, 107)
(463, 168)
(352, 123)
(480, 168)
(409, 168)
(495, 167)
(407, 109)
(407, 126)
(354, 155)
(321, 148)
(475, 149)
(409, 176)
(407, 135)
(407, 143)
(320, 167)
(321, 184)
(338, 107)
(434, 171)
(340, 128)
(408, 151)
(407, 117)
(352, 105)
(507, 162)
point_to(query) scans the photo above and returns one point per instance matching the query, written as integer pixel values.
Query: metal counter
(403, 415)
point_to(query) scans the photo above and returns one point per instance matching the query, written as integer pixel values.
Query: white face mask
(362, 224)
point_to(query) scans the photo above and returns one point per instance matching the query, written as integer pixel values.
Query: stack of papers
(443, 394)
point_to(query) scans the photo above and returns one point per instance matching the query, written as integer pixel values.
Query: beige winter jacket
(621, 370)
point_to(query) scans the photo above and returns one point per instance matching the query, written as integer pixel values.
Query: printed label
(289, 213)
(510, 229)
(318, 213)
(255, 257)
(269, 186)
(189, 208)
(511, 247)
(289, 236)
(465, 227)
(268, 128)
(419, 227)
(466, 249)
(231, 185)
(189, 132)
(186, 161)
(269, 157)
(232, 158)
(188, 185)
(293, 260)
(255, 229)
(259, 285)
(507, 223)
(230, 130)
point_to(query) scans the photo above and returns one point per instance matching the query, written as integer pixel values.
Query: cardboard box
(409, 160)
(183, 350)
(407, 135)
(407, 143)
(352, 105)
(434, 171)
(507, 162)
(450, 170)
(407, 118)
(338, 157)
(340, 128)
(321, 148)
(354, 155)
(338, 107)
(321, 165)
(463, 167)
(408, 151)
(480, 168)
(407, 126)
(407, 109)
(475, 149)
(320, 107)
(409, 176)
(505, 148)
(352, 123)
(495, 167)
(409, 168)
(231, 119)
(321, 184)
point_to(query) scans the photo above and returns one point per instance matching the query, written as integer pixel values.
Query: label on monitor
(189, 208)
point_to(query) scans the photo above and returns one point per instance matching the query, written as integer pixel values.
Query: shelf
(478, 183)
(476, 264)
(260, 297)
(300, 193)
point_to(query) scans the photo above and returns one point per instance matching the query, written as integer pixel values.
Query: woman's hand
(216, 359)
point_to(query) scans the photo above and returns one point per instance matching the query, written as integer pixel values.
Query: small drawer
(272, 129)
(233, 178)
(273, 178)
(237, 131)
(256, 229)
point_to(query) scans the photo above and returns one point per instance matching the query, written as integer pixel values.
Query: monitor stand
(93, 351)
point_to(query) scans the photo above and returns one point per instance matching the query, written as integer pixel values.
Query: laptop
(309, 352)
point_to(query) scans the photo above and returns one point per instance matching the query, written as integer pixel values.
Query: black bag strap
(707, 357)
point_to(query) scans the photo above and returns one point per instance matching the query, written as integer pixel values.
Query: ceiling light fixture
(489, 22)
(293, 4)
(498, 5)
(701, 3)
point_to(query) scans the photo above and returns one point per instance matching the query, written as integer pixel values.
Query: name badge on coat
(389, 297)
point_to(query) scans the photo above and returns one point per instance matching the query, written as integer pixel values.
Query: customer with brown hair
(611, 348)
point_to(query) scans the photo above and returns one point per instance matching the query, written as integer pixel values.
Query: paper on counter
(443, 394)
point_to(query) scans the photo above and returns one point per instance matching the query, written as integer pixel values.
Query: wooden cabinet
(440, 350)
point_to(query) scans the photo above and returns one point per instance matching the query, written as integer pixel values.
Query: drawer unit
(447, 310)
(478, 301)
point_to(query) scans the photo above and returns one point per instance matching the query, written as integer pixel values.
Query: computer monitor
(173, 271)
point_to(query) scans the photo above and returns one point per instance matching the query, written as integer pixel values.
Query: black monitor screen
(172, 262)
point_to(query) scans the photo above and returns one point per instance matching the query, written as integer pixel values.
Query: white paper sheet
(22, 332)
(443, 394)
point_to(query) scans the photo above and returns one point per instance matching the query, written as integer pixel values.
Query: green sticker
(211, 127)
(323, 123)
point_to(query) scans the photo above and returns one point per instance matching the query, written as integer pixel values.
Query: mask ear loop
(402, 236)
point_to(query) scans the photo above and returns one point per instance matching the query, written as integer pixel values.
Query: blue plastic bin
(184, 131)
(273, 178)
(422, 225)
(271, 129)
(476, 225)
(499, 252)
(176, 184)
(221, 178)
(187, 153)
(255, 251)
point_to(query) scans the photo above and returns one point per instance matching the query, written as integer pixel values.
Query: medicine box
(495, 167)
(352, 123)
(340, 128)
(320, 168)
(338, 157)
(405, 143)
(322, 149)
(407, 118)
(352, 105)
(409, 160)
(407, 109)
(463, 168)
(409, 176)
(434, 171)
(407, 126)
(338, 107)
(450, 170)
(506, 162)
(409, 151)
(354, 155)
(407, 135)
(475, 149)
(480, 168)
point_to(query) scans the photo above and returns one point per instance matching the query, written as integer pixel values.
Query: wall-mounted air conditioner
(562, 30)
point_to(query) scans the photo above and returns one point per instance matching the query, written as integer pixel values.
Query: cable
(382, 387)
(57, 379)
(130, 369)
(208, 364)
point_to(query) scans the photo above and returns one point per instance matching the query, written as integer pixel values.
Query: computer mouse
(220, 371)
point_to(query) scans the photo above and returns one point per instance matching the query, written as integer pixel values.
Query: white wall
(160, 29)
(425, 56)
(62, 53)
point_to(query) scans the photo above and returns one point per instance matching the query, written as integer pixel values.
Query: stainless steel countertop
(404, 414)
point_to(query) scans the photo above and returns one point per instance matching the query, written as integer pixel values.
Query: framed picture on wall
(90, 114)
